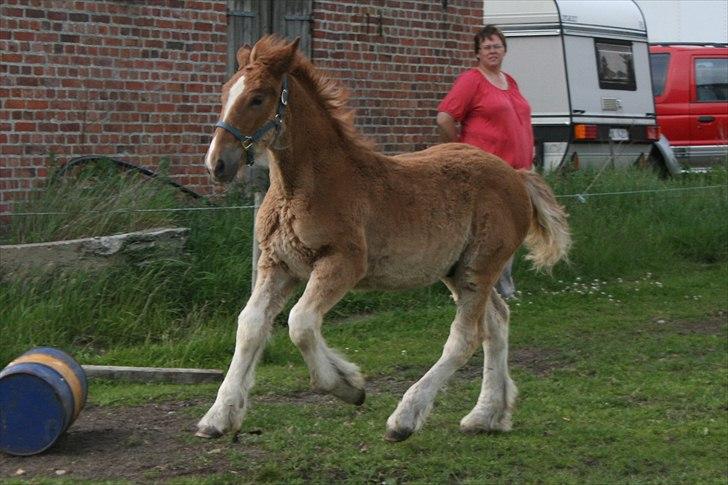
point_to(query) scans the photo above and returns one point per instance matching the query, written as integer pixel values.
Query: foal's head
(253, 107)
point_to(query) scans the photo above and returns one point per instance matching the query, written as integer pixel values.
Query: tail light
(653, 132)
(585, 132)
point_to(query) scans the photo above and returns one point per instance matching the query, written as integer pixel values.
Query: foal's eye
(256, 101)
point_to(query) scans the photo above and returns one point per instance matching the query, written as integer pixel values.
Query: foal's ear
(285, 61)
(243, 55)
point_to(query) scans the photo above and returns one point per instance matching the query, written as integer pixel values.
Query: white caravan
(584, 67)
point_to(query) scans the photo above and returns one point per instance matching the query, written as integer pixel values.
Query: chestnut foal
(339, 216)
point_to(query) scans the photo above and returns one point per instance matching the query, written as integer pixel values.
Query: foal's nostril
(219, 168)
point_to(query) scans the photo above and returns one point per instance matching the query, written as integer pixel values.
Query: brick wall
(398, 60)
(140, 81)
(134, 80)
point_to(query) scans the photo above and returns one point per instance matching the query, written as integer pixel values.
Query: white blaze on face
(235, 92)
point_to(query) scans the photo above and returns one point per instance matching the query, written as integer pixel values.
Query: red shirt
(495, 120)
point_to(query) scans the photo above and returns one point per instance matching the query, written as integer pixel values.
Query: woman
(492, 113)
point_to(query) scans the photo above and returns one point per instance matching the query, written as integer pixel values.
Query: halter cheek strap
(275, 123)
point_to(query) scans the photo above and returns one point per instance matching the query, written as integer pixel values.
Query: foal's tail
(549, 237)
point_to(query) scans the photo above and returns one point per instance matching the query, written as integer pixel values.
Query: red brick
(14, 104)
(24, 36)
(36, 104)
(24, 126)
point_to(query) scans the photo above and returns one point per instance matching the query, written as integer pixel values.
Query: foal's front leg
(273, 288)
(330, 372)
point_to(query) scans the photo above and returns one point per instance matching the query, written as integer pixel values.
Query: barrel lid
(63, 364)
(32, 414)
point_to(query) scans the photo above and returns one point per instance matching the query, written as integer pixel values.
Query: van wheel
(657, 163)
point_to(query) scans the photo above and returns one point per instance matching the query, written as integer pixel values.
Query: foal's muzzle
(225, 167)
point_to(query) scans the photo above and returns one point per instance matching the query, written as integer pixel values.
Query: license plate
(618, 134)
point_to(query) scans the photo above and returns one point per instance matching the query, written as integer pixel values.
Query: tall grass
(630, 222)
(189, 304)
(96, 200)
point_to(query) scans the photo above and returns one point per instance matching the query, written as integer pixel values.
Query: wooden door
(249, 20)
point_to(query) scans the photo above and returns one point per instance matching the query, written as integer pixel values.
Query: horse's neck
(311, 151)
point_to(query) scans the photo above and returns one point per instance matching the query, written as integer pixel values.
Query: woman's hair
(486, 32)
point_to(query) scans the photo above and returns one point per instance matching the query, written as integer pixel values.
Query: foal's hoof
(485, 429)
(397, 435)
(360, 397)
(350, 394)
(486, 422)
(208, 432)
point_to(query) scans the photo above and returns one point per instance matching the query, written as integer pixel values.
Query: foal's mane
(329, 94)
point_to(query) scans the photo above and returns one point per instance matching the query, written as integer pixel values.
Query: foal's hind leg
(465, 336)
(273, 288)
(498, 392)
(330, 280)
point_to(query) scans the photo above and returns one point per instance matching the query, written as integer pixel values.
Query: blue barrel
(41, 393)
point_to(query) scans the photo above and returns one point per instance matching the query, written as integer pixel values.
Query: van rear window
(711, 79)
(658, 66)
(615, 64)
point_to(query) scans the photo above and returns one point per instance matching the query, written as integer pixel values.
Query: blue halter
(275, 123)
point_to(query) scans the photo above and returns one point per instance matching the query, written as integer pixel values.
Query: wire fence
(582, 197)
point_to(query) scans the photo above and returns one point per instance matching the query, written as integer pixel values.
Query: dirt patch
(139, 443)
(301, 397)
(538, 360)
(153, 442)
(715, 324)
(389, 384)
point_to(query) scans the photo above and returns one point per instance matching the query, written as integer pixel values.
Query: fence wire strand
(585, 195)
(582, 197)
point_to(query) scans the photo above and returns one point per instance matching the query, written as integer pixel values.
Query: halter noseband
(275, 123)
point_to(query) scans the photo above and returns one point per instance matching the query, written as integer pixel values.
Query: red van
(690, 84)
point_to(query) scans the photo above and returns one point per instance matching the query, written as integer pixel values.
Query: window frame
(697, 59)
(604, 83)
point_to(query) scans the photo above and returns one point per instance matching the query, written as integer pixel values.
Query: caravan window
(711, 79)
(615, 64)
(658, 66)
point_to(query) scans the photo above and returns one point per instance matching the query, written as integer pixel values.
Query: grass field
(626, 384)
(620, 357)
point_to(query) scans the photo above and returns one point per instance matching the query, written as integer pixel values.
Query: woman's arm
(448, 128)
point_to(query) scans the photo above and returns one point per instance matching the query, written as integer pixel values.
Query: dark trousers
(505, 286)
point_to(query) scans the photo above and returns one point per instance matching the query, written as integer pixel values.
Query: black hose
(78, 161)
